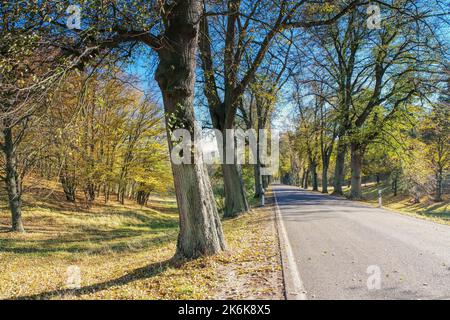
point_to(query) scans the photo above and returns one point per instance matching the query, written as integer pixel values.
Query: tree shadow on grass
(146, 272)
(95, 243)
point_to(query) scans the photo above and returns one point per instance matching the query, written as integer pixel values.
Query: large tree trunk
(356, 165)
(13, 184)
(339, 168)
(235, 198)
(234, 189)
(200, 226)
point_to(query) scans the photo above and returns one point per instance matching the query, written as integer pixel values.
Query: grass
(427, 208)
(125, 252)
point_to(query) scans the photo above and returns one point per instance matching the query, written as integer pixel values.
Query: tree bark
(356, 165)
(302, 182)
(339, 168)
(200, 226)
(395, 185)
(305, 185)
(258, 180)
(12, 180)
(107, 191)
(439, 179)
(235, 198)
(314, 180)
(142, 197)
(266, 180)
(257, 171)
(325, 165)
(234, 189)
(69, 187)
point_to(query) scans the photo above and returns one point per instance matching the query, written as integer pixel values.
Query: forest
(92, 92)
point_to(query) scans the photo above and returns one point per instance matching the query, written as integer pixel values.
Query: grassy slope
(124, 252)
(426, 209)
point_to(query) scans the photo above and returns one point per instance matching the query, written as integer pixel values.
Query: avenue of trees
(378, 98)
(71, 112)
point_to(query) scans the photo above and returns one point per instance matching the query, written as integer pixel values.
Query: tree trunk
(200, 226)
(107, 190)
(306, 179)
(258, 180)
(12, 180)
(235, 199)
(339, 168)
(142, 197)
(356, 164)
(266, 180)
(302, 183)
(257, 170)
(69, 187)
(395, 186)
(439, 180)
(234, 189)
(121, 191)
(325, 165)
(314, 180)
(89, 191)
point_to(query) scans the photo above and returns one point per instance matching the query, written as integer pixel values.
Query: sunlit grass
(125, 252)
(427, 208)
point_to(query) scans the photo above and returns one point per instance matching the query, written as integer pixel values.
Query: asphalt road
(346, 250)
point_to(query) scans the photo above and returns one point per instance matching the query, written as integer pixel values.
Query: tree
(171, 30)
(258, 104)
(338, 70)
(436, 133)
(176, 45)
(397, 78)
(29, 67)
(250, 28)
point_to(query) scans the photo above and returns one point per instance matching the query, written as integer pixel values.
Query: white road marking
(292, 281)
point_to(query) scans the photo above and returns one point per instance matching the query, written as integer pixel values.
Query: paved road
(334, 242)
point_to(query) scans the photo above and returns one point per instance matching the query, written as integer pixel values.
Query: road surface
(345, 250)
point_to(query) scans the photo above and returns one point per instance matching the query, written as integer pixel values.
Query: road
(345, 250)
